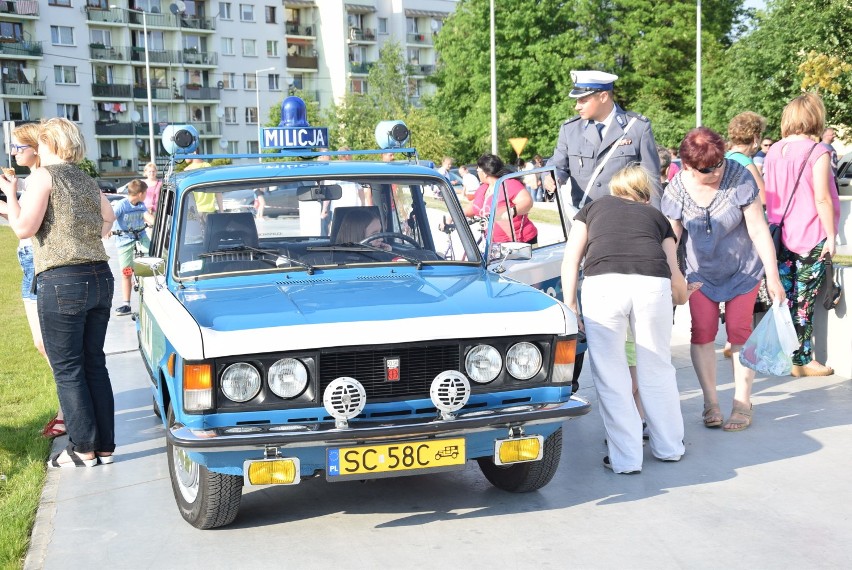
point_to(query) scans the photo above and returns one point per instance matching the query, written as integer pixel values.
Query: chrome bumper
(319, 434)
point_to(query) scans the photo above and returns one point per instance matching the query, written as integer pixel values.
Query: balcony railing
(114, 128)
(14, 46)
(100, 51)
(415, 69)
(360, 67)
(207, 127)
(159, 93)
(294, 29)
(112, 90)
(34, 89)
(152, 20)
(419, 39)
(362, 34)
(192, 92)
(200, 57)
(24, 8)
(303, 62)
(137, 53)
(116, 164)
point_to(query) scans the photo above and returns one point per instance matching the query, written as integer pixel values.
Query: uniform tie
(600, 128)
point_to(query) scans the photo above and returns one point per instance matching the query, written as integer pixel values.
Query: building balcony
(34, 89)
(303, 62)
(158, 93)
(28, 8)
(166, 56)
(116, 165)
(113, 53)
(193, 91)
(366, 35)
(12, 47)
(114, 129)
(112, 90)
(421, 39)
(418, 69)
(194, 57)
(360, 67)
(99, 15)
(208, 128)
(294, 29)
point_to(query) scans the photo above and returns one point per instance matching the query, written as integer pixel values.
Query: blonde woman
(152, 194)
(631, 281)
(68, 215)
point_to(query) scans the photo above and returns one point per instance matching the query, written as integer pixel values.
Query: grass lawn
(27, 402)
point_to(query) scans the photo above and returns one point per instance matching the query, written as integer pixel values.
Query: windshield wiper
(277, 262)
(361, 247)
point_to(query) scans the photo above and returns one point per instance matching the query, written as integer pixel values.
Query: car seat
(225, 231)
(339, 213)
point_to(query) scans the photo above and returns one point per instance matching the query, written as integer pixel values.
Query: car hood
(297, 311)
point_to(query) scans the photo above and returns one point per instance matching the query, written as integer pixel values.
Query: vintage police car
(369, 342)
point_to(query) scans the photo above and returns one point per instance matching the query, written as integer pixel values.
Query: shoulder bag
(775, 230)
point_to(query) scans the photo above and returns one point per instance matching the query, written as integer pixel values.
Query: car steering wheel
(391, 235)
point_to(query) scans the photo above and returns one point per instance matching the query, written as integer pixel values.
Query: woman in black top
(631, 279)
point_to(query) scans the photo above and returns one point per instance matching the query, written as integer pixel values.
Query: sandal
(712, 415)
(54, 428)
(68, 458)
(105, 458)
(739, 419)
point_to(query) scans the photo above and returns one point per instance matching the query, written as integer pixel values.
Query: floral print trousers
(802, 276)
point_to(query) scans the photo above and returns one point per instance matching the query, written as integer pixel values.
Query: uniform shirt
(128, 217)
(625, 237)
(579, 149)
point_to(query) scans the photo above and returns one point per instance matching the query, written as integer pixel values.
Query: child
(130, 214)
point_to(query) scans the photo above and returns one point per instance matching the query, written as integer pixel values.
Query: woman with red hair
(714, 208)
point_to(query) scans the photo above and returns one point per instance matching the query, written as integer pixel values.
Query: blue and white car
(282, 349)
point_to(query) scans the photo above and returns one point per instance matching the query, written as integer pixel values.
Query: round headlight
(523, 361)
(240, 382)
(288, 378)
(483, 363)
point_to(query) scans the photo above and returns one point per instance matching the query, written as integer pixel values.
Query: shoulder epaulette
(572, 119)
(638, 116)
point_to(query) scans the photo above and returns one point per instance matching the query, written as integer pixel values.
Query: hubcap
(187, 474)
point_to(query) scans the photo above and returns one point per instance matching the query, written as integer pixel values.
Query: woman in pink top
(489, 167)
(810, 224)
(152, 196)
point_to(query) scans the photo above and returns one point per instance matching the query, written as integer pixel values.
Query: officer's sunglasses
(710, 169)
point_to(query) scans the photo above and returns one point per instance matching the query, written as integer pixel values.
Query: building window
(249, 80)
(247, 12)
(251, 115)
(272, 48)
(359, 86)
(63, 3)
(70, 112)
(270, 14)
(62, 35)
(274, 82)
(414, 56)
(233, 147)
(250, 48)
(231, 115)
(65, 74)
(383, 25)
(229, 81)
(227, 46)
(252, 148)
(225, 11)
(103, 37)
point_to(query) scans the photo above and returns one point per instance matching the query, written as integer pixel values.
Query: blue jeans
(25, 258)
(74, 307)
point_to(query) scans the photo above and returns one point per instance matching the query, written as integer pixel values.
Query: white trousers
(611, 304)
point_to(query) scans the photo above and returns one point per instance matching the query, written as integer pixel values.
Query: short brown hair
(136, 187)
(746, 127)
(702, 148)
(63, 138)
(804, 115)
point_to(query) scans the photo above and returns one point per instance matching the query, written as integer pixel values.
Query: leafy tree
(88, 166)
(794, 45)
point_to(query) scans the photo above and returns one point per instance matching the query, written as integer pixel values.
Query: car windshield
(309, 224)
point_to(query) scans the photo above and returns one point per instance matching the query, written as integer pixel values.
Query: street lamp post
(257, 73)
(493, 87)
(698, 66)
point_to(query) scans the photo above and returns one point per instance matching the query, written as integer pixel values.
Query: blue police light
(180, 138)
(392, 134)
(294, 131)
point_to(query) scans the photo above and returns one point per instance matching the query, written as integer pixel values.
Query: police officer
(585, 139)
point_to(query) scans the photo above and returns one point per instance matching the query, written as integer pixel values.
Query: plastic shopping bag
(769, 348)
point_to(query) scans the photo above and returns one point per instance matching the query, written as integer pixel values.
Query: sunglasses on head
(710, 169)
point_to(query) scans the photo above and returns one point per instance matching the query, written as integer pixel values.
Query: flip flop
(54, 428)
(74, 460)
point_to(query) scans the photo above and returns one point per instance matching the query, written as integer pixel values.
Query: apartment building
(124, 69)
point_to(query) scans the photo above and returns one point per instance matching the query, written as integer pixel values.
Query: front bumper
(325, 433)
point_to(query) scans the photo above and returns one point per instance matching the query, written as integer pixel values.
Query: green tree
(794, 45)
(88, 166)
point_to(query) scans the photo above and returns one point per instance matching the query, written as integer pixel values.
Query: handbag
(833, 290)
(775, 230)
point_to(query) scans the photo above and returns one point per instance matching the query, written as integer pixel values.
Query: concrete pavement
(774, 496)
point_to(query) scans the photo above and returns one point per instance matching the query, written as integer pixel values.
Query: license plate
(386, 459)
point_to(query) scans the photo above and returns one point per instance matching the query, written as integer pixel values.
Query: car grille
(418, 367)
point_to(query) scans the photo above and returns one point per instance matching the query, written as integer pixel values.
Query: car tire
(205, 499)
(525, 477)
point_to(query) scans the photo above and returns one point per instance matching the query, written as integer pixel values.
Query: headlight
(240, 382)
(523, 361)
(483, 363)
(288, 378)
